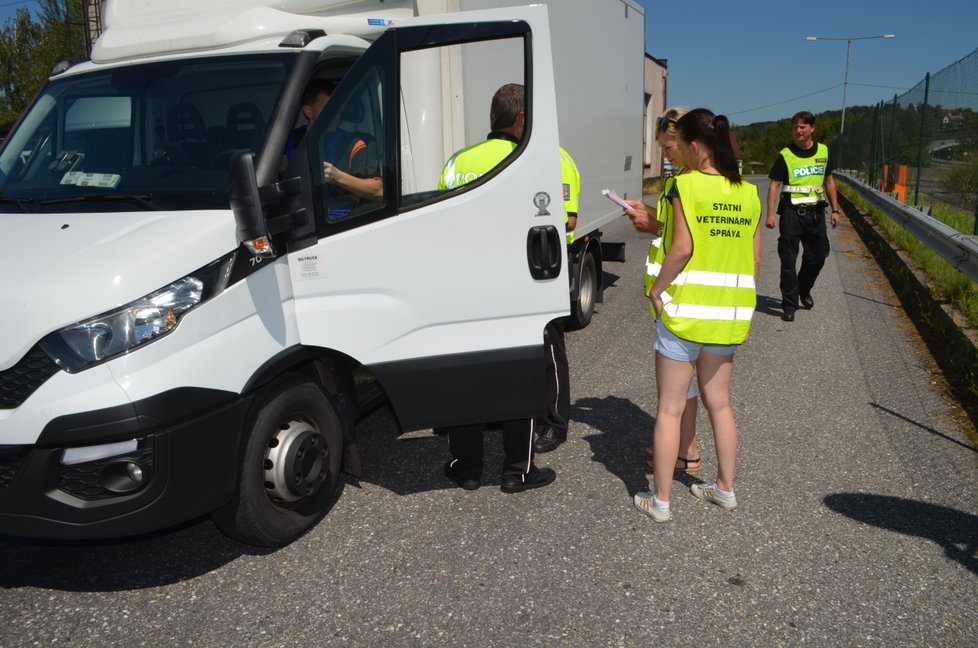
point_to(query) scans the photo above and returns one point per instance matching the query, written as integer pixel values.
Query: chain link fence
(931, 130)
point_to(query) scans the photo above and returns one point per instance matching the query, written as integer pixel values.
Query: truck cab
(196, 308)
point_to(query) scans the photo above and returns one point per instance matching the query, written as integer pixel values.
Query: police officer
(465, 443)
(801, 179)
(553, 430)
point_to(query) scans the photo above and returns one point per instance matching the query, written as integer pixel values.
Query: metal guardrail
(960, 250)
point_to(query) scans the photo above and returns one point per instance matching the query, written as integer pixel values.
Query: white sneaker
(709, 493)
(643, 502)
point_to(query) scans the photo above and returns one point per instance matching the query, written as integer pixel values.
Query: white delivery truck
(192, 316)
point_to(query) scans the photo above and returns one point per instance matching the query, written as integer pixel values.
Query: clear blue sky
(750, 60)
(740, 58)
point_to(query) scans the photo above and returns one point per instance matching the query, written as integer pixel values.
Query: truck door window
(348, 153)
(445, 96)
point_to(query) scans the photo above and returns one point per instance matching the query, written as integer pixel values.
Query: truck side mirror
(246, 204)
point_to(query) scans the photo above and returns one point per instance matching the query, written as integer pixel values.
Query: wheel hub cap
(296, 462)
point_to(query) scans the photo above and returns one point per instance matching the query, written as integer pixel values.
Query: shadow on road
(955, 531)
(609, 279)
(920, 425)
(163, 558)
(623, 431)
(768, 305)
(412, 463)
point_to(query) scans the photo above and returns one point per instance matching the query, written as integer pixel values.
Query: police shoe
(468, 483)
(807, 302)
(536, 478)
(548, 440)
(788, 316)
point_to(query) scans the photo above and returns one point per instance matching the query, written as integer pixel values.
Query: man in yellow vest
(801, 181)
(506, 117)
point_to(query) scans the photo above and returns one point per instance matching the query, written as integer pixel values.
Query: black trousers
(465, 444)
(804, 226)
(558, 378)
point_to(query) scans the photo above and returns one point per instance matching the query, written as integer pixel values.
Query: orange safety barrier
(894, 181)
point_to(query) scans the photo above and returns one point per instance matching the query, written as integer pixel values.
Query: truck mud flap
(614, 252)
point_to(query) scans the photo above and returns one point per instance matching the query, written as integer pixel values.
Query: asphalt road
(857, 524)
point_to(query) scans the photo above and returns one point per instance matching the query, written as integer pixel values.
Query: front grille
(11, 458)
(84, 481)
(23, 379)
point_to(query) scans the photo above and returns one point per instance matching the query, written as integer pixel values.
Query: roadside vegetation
(951, 283)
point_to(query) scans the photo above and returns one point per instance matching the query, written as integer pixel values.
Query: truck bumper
(114, 479)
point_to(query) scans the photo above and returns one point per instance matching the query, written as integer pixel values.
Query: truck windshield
(147, 136)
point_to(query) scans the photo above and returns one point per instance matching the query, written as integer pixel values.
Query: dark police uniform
(802, 207)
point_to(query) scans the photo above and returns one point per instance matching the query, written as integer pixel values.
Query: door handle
(543, 251)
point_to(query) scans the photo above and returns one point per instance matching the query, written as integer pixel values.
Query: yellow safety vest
(806, 176)
(474, 161)
(712, 300)
(570, 178)
(661, 243)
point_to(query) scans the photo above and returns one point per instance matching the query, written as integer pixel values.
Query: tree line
(31, 46)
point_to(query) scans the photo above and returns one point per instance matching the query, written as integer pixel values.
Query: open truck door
(443, 294)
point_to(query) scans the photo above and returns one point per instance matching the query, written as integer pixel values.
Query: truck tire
(289, 464)
(583, 308)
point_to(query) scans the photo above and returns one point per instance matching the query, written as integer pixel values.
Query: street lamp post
(845, 83)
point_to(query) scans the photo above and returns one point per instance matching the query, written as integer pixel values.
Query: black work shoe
(807, 302)
(548, 440)
(788, 316)
(468, 483)
(536, 478)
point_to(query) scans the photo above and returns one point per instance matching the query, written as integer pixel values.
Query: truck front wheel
(583, 308)
(289, 465)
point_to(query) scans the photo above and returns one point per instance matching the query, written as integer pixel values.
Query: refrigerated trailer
(192, 315)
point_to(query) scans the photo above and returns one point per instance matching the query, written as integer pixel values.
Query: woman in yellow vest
(704, 296)
(658, 222)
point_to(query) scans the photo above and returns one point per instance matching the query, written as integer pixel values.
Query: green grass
(957, 218)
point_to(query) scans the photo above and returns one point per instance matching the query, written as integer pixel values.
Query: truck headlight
(93, 341)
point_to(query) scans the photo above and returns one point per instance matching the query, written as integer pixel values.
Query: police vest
(806, 176)
(570, 179)
(474, 161)
(661, 243)
(712, 300)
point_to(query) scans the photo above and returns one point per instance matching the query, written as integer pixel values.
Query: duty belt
(801, 210)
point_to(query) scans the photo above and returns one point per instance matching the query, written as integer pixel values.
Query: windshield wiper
(20, 202)
(144, 200)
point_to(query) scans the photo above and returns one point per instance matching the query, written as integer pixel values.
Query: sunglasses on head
(662, 123)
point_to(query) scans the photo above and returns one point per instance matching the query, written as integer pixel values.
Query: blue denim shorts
(676, 348)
